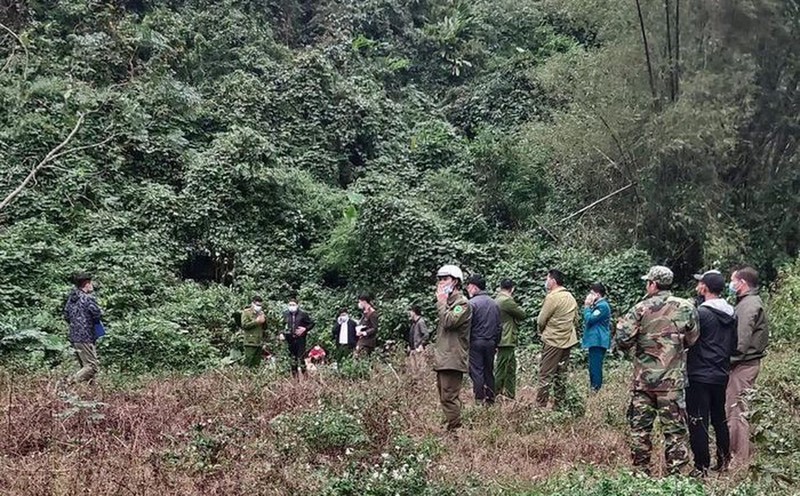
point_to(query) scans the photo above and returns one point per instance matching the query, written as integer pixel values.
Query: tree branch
(25, 48)
(51, 155)
(587, 207)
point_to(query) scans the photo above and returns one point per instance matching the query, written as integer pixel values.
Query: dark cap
(477, 280)
(713, 280)
(257, 299)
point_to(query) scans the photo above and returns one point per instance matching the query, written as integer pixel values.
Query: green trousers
(448, 382)
(505, 372)
(252, 356)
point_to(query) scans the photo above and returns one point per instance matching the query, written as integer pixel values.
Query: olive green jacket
(253, 331)
(451, 350)
(557, 319)
(510, 316)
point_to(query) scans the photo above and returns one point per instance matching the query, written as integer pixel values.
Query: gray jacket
(752, 327)
(486, 324)
(418, 334)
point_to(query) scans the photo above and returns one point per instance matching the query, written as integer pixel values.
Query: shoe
(699, 473)
(722, 465)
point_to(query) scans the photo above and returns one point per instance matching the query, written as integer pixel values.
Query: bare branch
(587, 207)
(51, 155)
(25, 48)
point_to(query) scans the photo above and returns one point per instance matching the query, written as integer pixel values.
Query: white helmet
(452, 271)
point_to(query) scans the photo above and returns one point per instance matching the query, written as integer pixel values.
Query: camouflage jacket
(659, 330)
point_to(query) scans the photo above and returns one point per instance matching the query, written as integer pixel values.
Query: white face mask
(257, 308)
(293, 308)
(343, 319)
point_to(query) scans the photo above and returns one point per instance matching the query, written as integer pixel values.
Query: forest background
(213, 150)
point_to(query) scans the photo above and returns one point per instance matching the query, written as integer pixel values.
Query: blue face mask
(732, 288)
(448, 289)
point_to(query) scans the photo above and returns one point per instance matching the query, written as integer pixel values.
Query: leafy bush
(784, 318)
(328, 430)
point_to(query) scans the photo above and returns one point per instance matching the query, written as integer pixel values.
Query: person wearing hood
(83, 313)
(708, 366)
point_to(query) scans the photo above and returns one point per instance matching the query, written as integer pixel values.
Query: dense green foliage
(328, 148)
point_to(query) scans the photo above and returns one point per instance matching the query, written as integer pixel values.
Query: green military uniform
(658, 331)
(505, 372)
(451, 352)
(253, 337)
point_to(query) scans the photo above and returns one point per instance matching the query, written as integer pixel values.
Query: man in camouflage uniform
(658, 330)
(452, 342)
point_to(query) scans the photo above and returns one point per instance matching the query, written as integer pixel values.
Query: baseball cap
(660, 274)
(713, 279)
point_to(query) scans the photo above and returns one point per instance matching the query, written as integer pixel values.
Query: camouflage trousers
(670, 408)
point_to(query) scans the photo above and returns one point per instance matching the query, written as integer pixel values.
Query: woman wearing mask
(597, 332)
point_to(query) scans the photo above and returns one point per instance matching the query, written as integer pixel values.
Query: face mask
(293, 308)
(447, 289)
(343, 319)
(257, 308)
(732, 287)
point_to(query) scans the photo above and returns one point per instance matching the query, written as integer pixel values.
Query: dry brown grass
(211, 434)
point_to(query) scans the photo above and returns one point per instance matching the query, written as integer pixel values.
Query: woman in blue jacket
(596, 332)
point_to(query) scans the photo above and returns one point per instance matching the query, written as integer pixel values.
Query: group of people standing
(350, 336)
(693, 360)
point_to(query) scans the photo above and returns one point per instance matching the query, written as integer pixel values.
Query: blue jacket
(597, 325)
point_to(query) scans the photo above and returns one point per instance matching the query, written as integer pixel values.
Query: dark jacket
(418, 334)
(486, 325)
(752, 328)
(295, 320)
(708, 360)
(82, 313)
(351, 333)
(370, 323)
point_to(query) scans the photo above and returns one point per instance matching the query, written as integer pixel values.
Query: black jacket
(708, 361)
(351, 333)
(486, 325)
(295, 320)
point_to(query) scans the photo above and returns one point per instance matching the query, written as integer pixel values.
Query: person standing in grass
(253, 324)
(658, 331)
(417, 338)
(344, 335)
(708, 365)
(752, 339)
(596, 332)
(298, 325)
(556, 322)
(452, 342)
(367, 329)
(511, 314)
(83, 314)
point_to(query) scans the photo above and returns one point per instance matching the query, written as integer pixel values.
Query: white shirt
(343, 332)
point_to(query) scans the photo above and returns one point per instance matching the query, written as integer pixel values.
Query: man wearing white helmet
(452, 341)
